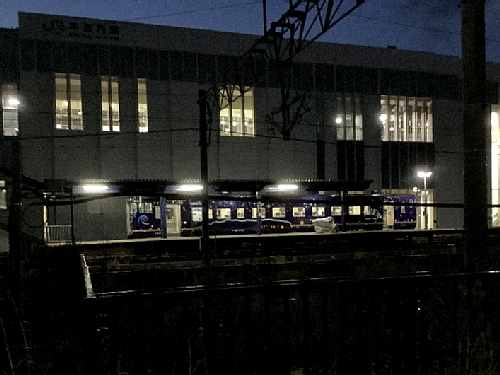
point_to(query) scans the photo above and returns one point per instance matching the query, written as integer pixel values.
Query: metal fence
(57, 234)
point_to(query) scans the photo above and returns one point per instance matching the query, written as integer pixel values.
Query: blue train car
(271, 215)
(401, 213)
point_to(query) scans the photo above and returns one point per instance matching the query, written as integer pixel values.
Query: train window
(240, 213)
(336, 210)
(133, 207)
(318, 211)
(224, 213)
(299, 212)
(354, 210)
(262, 211)
(196, 214)
(366, 210)
(278, 211)
(403, 209)
(157, 212)
(3, 197)
(148, 207)
(170, 214)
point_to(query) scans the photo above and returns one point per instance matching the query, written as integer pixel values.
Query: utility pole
(205, 238)
(16, 252)
(474, 132)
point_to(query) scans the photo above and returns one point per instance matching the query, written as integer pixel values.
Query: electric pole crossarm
(303, 23)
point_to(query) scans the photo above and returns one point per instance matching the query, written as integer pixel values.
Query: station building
(92, 99)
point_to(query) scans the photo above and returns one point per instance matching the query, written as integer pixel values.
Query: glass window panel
(354, 210)
(279, 212)
(10, 103)
(406, 119)
(262, 211)
(169, 213)
(110, 104)
(240, 213)
(299, 211)
(237, 111)
(348, 118)
(142, 105)
(3, 198)
(224, 213)
(196, 214)
(318, 211)
(495, 164)
(148, 207)
(336, 210)
(68, 103)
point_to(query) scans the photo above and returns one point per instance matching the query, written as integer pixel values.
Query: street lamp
(425, 175)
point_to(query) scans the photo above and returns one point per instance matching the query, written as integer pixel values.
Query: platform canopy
(183, 188)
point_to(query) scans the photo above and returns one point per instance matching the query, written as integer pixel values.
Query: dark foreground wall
(412, 325)
(359, 318)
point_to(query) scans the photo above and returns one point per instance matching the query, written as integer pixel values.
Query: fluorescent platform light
(95, 188)
(284, 187)
(190, 187)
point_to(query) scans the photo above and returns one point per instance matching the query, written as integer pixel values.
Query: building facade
(95, 99)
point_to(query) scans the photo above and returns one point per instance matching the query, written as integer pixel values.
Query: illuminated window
(10, 103)
(240, 213)
(348, 118)
(69, 114)
(223, 213)
(142, 105)
(406, 119)
(495, 165)
(110, 104)
(3, 195)
(279, 212)
(197, 216)
(318, 211)
(354, 210)
(336, 210)
(237, 111)
(262, 211)
(299, 211)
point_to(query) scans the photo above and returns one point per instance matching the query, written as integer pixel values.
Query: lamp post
(425, 175)
(416, 190)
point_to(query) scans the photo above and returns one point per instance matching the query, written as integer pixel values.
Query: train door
(173, 219)
(389, 216)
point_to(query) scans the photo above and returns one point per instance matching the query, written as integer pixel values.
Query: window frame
(232, 99)
(142, 103)
(406, 119)
(112, 96)
(68, 95)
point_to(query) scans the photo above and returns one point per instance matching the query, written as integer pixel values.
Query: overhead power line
(192, 11)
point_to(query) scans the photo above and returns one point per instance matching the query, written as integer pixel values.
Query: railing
(57, 234)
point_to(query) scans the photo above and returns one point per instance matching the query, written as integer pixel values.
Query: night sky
(425, 25)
